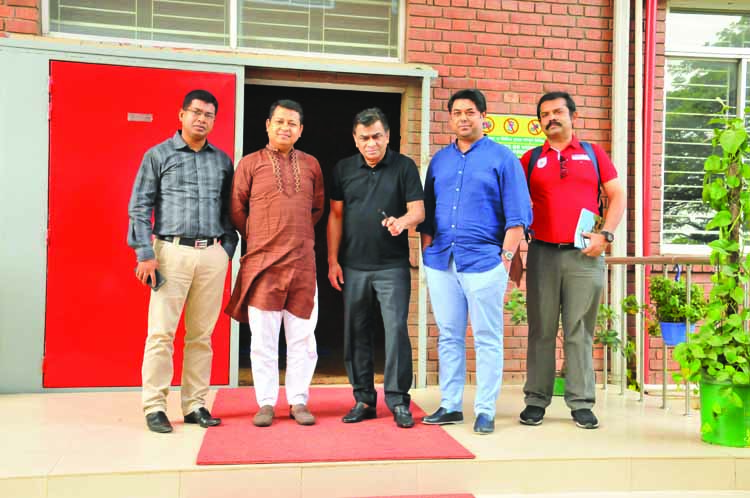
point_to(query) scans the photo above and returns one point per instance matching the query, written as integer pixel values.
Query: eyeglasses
(198, 113)
(563, 169)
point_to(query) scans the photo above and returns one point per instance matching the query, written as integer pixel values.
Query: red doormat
(460, 495)
(238, 441)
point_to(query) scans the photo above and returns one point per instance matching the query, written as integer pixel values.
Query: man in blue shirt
(476, 210)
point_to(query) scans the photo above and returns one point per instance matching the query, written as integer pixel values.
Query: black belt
(564, 245)
(198, 242)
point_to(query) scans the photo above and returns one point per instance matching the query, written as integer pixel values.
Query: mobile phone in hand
(160, 280)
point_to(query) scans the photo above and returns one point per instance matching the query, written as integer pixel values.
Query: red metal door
(102, 120)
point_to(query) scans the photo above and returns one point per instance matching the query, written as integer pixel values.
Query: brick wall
(20, 16)
(514, 51)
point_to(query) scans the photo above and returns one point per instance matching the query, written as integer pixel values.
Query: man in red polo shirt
(563, 280)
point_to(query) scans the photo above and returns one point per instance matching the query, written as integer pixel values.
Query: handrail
(689, 260)
(663, 259)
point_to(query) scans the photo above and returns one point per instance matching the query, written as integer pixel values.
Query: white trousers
(301, 355)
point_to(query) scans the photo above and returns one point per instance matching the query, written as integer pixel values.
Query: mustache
(553, 122)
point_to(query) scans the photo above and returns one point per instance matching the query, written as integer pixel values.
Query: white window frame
(233, 39)
(741, 57)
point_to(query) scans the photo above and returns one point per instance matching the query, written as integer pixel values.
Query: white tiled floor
(96, 445)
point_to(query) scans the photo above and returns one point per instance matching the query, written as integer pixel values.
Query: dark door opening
(327, 135)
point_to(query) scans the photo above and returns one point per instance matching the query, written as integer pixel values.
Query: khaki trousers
(194, 280)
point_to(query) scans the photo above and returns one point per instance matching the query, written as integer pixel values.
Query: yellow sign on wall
(518, 133)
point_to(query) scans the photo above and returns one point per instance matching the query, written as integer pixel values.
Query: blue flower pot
(673, 333)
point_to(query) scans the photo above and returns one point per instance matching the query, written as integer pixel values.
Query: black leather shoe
(202, 417)
(158, 422)
(443, 417)
(484, 424)
(360, 412)
(402, 416)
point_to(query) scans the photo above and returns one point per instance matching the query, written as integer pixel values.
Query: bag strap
(592, 155)
(536, 152)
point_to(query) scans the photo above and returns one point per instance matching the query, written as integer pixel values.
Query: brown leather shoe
(264, 417)
(301, 414)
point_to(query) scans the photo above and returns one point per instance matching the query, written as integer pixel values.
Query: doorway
(327, 135)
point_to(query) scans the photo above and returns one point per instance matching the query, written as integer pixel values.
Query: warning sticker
(518, 133)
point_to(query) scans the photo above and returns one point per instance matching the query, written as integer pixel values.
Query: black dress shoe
(402, 416)
(484, 424)
(444, 417)
(360, 412)
(202, 417)
(158, 422)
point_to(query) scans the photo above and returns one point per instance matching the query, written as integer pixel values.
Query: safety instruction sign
(518, 133)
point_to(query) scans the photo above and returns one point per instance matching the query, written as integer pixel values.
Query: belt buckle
(201, 243)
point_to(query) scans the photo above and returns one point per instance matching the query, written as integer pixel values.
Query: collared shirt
(559, 195)
(367, 193)
(471, 199)
(187, 192)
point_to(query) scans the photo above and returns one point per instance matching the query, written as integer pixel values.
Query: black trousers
(390, 288)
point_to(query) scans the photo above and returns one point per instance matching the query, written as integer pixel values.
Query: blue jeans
(456, 296)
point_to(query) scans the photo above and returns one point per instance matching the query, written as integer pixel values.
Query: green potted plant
(717, 357)
(671, 309)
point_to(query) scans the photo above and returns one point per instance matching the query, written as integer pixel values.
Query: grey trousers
(561, 282)
(391, 289)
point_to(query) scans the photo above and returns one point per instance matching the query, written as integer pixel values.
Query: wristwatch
(608, 236)
(508, 255)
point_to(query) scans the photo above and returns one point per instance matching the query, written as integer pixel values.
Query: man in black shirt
(376, 197)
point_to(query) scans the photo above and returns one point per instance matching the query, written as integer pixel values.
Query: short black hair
(554, 96)
(369, 117)
(469, 94)
(203, 96)
(287, 104)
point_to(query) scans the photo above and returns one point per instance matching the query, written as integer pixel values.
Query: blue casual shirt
(471, 198)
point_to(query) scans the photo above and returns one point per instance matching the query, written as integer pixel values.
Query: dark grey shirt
(187, 192)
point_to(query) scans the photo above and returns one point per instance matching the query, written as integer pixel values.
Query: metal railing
(639, 264)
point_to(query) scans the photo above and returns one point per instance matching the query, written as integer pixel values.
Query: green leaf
(740, 378)
(716, 341)
(731, 355)
(731, 139)
(712, 164)
(722, 219)
(734, 321)
(733, 181)
(741, 336)
(696, 350)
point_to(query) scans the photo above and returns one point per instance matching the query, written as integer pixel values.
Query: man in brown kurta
(277, 197)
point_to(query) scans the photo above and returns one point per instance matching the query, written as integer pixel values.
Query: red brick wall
(514, 51)
(20, 16)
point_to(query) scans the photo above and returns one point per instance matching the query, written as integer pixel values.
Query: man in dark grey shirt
(185, 183)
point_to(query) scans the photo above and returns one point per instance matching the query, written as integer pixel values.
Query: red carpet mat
(460, 495)
(238, 441)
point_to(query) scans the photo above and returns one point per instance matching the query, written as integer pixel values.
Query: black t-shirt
(366, 192)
